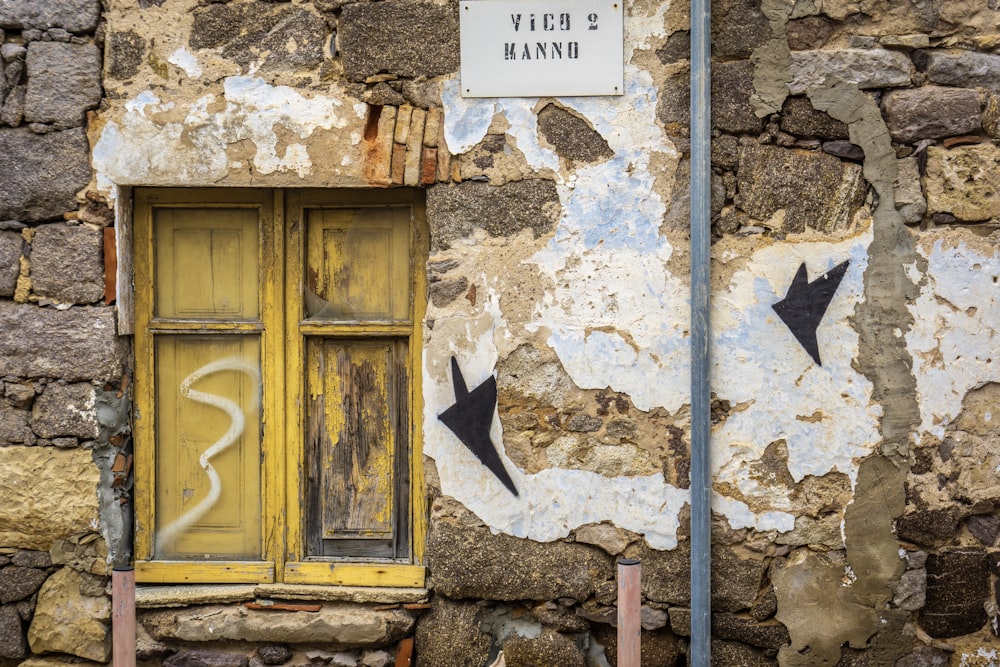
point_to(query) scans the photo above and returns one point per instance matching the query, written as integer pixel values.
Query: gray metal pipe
(701, 224)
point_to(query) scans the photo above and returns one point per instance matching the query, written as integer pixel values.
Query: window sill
(160, 596)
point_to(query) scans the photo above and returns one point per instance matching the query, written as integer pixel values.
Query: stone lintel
(154, 597)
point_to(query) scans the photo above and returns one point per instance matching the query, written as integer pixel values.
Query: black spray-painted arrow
(470, 419)
(806, 302)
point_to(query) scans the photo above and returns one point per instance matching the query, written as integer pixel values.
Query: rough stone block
(931, 112)
(447, 625)
(807, 33)
(18, 583)
(67, 263)
(14, 425)
(67, 621)
(608, 537)
(732, 85)
(731, 109)
(816, 190)
(291, 37)
(964, 181)
(925, 656)
(666, 575)
(444, 292)
(66, 410)
(548, 648)
(124, 53)
(736, 582)
(964, 69)
(927, 527)
(734, 654)
(408, 39)
(572, 137)
(825, 531)
(64, 81)
(46, 494)
(911, 591)
(738, 27)
(800, 118)
(868, 68)
(769, 634)
(350, 624)
(60, 160)
(75, 345)
(71, 15)
(206, 659)
(655, 648)
(32, 558)
(13, 107)
(910, 201)
(991, 115)
(453, 211)
(10, 261)
(471, 562)
(12, 642)
(957, 588)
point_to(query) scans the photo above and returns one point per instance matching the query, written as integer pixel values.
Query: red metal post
(123, 617)
(629, 612)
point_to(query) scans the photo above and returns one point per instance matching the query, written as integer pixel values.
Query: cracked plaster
(251, 129)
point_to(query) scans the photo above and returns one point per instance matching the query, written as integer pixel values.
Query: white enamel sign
(549, 48)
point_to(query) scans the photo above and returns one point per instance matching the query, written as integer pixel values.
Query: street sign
(548, 48)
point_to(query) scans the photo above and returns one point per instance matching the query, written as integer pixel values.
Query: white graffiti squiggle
(236, 426)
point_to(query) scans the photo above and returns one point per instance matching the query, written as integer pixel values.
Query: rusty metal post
(629, 612)
(123, 617)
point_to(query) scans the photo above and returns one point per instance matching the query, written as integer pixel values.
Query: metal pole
(629, 613)
(123, 617)
(701, 222)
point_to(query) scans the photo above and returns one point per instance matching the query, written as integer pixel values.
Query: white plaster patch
(954, 339)
(823, 413)
(619, 318)
(186, 61)
(981, 658)
(138, 149)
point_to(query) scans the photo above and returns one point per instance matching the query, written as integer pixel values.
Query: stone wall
(855, 264)
(60, 355)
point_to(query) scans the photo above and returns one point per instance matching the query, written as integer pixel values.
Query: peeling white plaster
(981, 658)
(954, 340)
(186, 61)
(618, 318)
(552, 502)
(824, 413)
(139, 148)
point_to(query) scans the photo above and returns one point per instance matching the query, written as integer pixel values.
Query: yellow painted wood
(359, 329)
(184, 572)
(273, 427)
(158, 325)
(143, 414)
(355, 574)
(358, 264)
(419, 249)
(294, 373)
(197, 276)
(281, 331)
(351, 421)
(208, 449)
(206, 263)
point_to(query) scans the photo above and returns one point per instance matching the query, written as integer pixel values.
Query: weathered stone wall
(61, 358)
(857, 507)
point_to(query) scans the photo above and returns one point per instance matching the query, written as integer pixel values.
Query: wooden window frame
(282, 215)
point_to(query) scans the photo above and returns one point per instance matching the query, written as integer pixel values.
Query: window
(277, 370)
